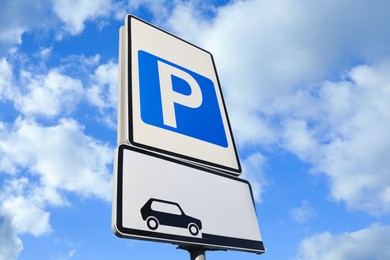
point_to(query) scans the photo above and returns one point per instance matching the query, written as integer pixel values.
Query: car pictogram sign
(188, 206)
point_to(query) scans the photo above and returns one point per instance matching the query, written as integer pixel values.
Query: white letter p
(169, 97)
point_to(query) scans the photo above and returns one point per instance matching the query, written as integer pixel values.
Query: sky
(306, 86)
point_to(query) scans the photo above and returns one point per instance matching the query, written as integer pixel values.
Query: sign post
(176, 165)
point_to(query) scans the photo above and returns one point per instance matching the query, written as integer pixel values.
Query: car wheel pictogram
(193, 228)
(152, 223)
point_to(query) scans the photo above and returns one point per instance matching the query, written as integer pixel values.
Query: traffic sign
(161, 199)
(171, 100)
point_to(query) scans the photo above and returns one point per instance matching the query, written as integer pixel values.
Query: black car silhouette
(161, 212)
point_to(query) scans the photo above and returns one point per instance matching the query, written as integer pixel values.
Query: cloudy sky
(307, 89)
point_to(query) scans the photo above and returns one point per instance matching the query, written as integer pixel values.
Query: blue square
(179, 100)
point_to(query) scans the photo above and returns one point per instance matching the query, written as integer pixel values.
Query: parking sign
(173, 99)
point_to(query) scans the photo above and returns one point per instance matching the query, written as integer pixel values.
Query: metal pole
(197, 253)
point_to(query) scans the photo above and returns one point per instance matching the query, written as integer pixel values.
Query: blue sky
(307, 89)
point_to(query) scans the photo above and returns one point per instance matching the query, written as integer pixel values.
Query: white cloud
(278, 49)
(251, 128)
(44, 53)
(37, 94)
(69, 251)
(302, 213)
(46, 162)
(252, 169)
(161, 9)
(18, 17)
(300, 139)
(74, 13)
(369, 243)
(5, 79)
(24, 201)
(103, 91)
(48, 95)
(11, 245)
(59, 155)
(27, 217)
(188, 19)
(358, 148)
(347, 139)
(21, 16)
(79, 66)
